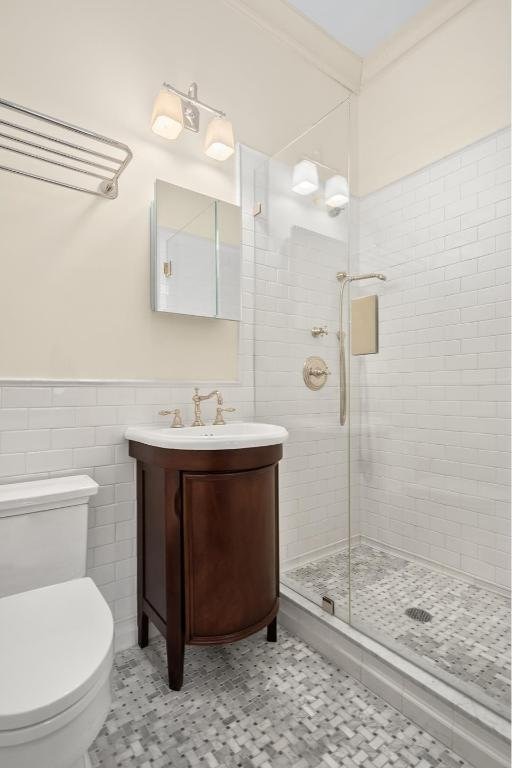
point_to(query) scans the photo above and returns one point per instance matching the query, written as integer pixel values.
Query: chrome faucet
(197, 400)
(177, 422)
(219, 418)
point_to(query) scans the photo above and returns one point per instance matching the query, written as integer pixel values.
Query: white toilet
(56, 629)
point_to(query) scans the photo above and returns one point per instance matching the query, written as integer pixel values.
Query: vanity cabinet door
(231, 553)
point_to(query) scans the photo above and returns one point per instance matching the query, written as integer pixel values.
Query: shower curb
(474, 732)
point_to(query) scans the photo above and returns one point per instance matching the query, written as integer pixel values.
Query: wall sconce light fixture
(305, 178)
(174, 110)
(336, 191)
(305, 181)
(167, 117)
(219, 142)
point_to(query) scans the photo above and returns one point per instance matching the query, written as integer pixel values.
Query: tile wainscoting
(50, 431)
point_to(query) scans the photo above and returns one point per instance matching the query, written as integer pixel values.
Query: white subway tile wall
(92, 442)
(431, 410)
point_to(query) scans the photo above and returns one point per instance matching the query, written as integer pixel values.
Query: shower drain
(418, 614)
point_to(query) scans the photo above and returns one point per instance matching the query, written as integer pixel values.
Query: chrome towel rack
(28, 148)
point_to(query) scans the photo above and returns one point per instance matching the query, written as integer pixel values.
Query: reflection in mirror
(195, 254)
(228, 260)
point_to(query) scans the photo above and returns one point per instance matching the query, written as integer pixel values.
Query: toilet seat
(55, 654)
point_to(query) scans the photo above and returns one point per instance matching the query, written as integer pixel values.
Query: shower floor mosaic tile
(255, 704)
(468, 635)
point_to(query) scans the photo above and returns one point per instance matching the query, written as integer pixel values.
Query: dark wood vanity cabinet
(207, 546)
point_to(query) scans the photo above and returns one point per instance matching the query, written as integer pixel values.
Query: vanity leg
(272, 631)
(143, 629)
(175, 619)
(175, 661)
(142, 619)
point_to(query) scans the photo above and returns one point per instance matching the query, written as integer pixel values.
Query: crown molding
(413, 32)
(290, 27)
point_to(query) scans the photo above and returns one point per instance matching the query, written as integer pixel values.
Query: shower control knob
(315, 372)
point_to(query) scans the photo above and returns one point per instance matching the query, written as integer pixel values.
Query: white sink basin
(209, 438)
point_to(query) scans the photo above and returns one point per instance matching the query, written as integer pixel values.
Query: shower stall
(393, 489)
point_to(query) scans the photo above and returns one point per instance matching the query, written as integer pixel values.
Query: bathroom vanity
(207, 534)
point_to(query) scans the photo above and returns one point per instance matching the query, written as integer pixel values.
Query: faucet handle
(177, 421)
(219, 418)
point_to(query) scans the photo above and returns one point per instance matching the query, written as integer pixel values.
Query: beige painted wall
(446, 92)
(74, 280)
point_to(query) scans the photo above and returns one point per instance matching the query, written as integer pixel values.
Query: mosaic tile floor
(255, 705)
(468, 636)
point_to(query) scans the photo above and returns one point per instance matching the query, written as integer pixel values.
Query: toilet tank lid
(17, 498)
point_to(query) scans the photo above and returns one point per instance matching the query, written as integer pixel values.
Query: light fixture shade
(336, 192)
(167, 117)
(219, 142)
(305, 178)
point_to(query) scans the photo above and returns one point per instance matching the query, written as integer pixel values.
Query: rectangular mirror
(195, 254)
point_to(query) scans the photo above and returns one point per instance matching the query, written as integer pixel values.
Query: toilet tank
(43, 532)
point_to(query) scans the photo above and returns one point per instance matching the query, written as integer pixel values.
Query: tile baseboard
(125, 634)
(319, 553)
(436, 566)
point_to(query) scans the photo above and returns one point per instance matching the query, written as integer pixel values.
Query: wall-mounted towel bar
(28, 150)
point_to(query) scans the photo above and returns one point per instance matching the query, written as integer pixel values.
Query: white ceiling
(360, 25)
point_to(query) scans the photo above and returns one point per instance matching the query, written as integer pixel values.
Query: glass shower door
(301, 230)
(412, 551)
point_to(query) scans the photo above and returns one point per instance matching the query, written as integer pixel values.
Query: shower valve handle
(319, 371)
(315, 372)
